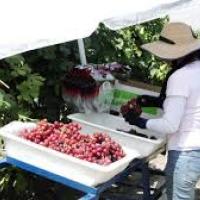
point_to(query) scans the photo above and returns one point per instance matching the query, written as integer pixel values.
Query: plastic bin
(110, 123)
(84, 172)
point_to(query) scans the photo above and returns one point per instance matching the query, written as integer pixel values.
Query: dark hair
(178, 64)
(181, 62)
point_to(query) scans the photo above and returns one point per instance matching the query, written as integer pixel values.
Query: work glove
(137, 121)
(149, 101)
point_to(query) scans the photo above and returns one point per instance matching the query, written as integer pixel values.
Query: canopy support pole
(81, 48)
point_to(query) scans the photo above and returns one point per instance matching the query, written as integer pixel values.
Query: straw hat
(177, 40)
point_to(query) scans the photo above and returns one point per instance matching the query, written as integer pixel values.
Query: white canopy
(188, 15)
(31, 24)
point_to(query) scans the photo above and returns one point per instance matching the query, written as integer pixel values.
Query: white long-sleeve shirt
(181, 118)
(174, 107)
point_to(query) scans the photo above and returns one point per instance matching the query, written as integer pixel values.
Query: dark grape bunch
(133, 107)
(79, 82)
(66, 138)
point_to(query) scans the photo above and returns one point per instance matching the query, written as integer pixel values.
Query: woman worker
(180, 99)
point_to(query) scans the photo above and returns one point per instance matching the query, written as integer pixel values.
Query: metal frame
(82, 54)
(91, 193)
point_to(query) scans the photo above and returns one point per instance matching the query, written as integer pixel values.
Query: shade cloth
(32, 24)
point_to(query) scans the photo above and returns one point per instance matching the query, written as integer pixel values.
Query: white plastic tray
(84, 172)
(110, 123)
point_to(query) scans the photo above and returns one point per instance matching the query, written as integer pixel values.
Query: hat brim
(167, 51)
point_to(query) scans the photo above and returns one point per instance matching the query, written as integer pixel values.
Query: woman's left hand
(139, 121)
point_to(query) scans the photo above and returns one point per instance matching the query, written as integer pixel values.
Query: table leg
(146, 182)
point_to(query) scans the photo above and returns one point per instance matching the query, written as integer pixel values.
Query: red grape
(97, 148)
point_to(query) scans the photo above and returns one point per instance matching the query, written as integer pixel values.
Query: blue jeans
(182, 174)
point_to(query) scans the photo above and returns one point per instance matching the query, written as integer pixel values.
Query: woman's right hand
(148, 101)
(141, 100)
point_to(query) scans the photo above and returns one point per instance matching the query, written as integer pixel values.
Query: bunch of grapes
(132, 106)
(66, 138)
